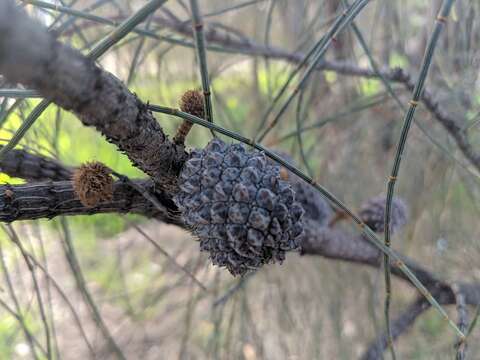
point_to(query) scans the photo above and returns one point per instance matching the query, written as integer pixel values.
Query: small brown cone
(191, 103)
(93, 183)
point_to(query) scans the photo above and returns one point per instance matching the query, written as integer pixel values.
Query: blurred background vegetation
(343, 131)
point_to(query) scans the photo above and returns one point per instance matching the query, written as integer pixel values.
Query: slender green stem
(474, 321)
(136, 55)
(87, 16)
(444, 12)
(402, 106)
(332, 199)
(105, 21)
(19, 313)
(287, 83)
(299, 117)
(197, 24)
(388, 285)
(124, 28)
(232, 8)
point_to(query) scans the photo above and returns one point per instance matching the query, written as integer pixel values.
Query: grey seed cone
(235, 202)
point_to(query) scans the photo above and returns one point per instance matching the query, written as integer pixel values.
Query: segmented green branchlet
(402, 107)
(197, 24)
(427, 59)
(98, 50)
(342, 21)
(332, 199)
(299, 118)
(388, 290)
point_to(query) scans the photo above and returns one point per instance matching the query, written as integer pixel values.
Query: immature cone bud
(191, 103)
(372, 214)
(93, 183)
(235, 202)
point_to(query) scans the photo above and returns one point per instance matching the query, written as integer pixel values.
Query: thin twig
(443, 14)
(197, 24)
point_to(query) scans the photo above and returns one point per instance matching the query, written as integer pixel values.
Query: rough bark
(24, 165)
(31, 56)
(51, 199)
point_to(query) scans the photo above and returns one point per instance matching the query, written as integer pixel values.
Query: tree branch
(47, 200)
(51, 199)
(31, 56)
(24, 165)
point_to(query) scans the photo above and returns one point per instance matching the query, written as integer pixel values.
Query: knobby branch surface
(22, 164)
(54, 198)
(31, 56)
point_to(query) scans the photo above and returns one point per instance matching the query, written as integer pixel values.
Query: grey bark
(22, 164)
(51, 199)
(31, 56)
